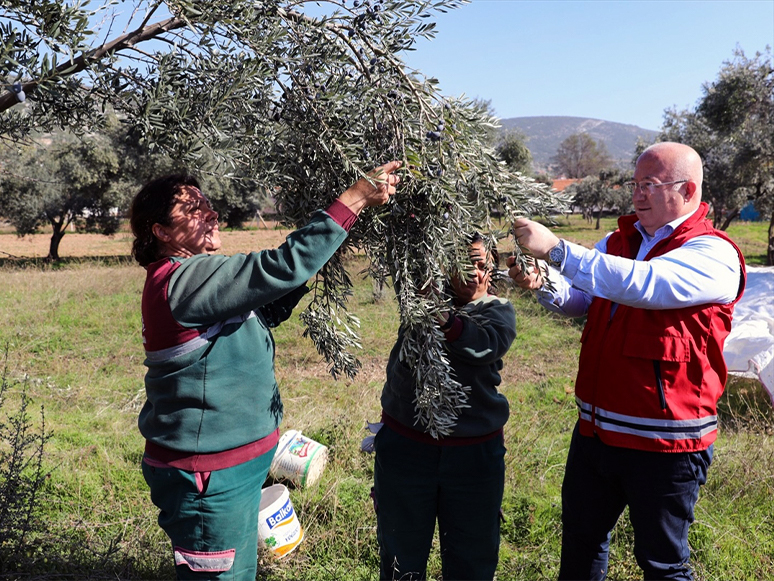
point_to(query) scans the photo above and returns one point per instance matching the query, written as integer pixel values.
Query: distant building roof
(561, 183)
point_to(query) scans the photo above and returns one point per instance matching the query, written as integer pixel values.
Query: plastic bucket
(278, 528)
(298, 459)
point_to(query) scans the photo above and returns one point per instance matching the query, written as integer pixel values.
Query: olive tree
(514, 152)
(732, 128)
(580, 155)
(68, 183)
(307, 97)
(593, 194)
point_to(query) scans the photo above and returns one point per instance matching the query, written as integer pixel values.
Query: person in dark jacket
(213, 408)
(457, 480)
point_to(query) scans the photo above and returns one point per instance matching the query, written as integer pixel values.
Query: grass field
(73, 335)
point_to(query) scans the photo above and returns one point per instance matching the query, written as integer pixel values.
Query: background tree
(732, 128)
(544, 178)
(640, 146)
(619, 198)
(580, 155)
(587, 195)
(593, 194)
(514, 152)
(739, 108)
(720, 189)
(65, 182)
(305, 97)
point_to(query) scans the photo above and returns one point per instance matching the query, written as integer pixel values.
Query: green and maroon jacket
(212, 397)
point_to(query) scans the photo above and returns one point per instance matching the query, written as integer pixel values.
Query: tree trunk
(56, 238)
(599, 217)
(770, 250)
(716, 215)
(730, 217)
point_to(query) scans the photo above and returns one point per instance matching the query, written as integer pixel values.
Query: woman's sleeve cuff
(455, 330)
(342, 215)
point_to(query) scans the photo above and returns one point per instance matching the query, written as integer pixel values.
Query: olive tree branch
(86, 59)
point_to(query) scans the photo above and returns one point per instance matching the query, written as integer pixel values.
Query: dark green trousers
(211, 517)
(460, 486)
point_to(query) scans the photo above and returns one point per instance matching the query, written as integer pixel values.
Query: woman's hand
(532, 280)
(364, 194)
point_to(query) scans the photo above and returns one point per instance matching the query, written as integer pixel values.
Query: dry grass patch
(76, 244)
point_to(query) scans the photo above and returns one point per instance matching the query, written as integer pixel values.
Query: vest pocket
(658, 348)
(659, 384)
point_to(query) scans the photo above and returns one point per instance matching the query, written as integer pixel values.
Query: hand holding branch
(534, 237)
(375, 190)
(531, 280)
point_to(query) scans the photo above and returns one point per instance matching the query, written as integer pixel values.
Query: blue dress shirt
(705, 269)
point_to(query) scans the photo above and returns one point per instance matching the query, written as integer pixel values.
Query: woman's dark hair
(477, 237)
(152, 205)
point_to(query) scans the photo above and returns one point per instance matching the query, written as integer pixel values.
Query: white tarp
(749, 349)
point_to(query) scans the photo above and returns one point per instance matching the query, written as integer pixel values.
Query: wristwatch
(556, 255)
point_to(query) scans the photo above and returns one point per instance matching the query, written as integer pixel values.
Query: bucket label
(283, 516)
(299, 447)
(298, 459)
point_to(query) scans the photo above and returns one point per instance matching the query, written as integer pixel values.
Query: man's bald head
(679, 168)
(680, 161)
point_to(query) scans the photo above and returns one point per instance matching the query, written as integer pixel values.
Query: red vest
(651, 379)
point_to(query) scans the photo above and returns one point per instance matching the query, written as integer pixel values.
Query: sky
(620, 60)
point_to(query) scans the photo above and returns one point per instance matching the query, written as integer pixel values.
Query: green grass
(752, 238)
(74, 338)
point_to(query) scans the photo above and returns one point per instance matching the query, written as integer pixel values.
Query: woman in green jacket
(211, 419)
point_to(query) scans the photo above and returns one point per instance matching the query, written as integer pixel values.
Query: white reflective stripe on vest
(196, 342)
(216, 561)
(653, 429)
(584, 409)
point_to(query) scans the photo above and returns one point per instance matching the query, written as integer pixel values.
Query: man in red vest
(659, 293)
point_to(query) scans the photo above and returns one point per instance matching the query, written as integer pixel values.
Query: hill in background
(544, 134)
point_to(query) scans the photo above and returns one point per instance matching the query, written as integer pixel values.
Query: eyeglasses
(650, 186)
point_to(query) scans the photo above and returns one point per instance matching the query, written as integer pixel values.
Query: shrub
(21, 474)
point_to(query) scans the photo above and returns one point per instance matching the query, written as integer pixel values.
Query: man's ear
(160, 233)
(690, 191)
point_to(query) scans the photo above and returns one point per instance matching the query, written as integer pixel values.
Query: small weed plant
(21, 474)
